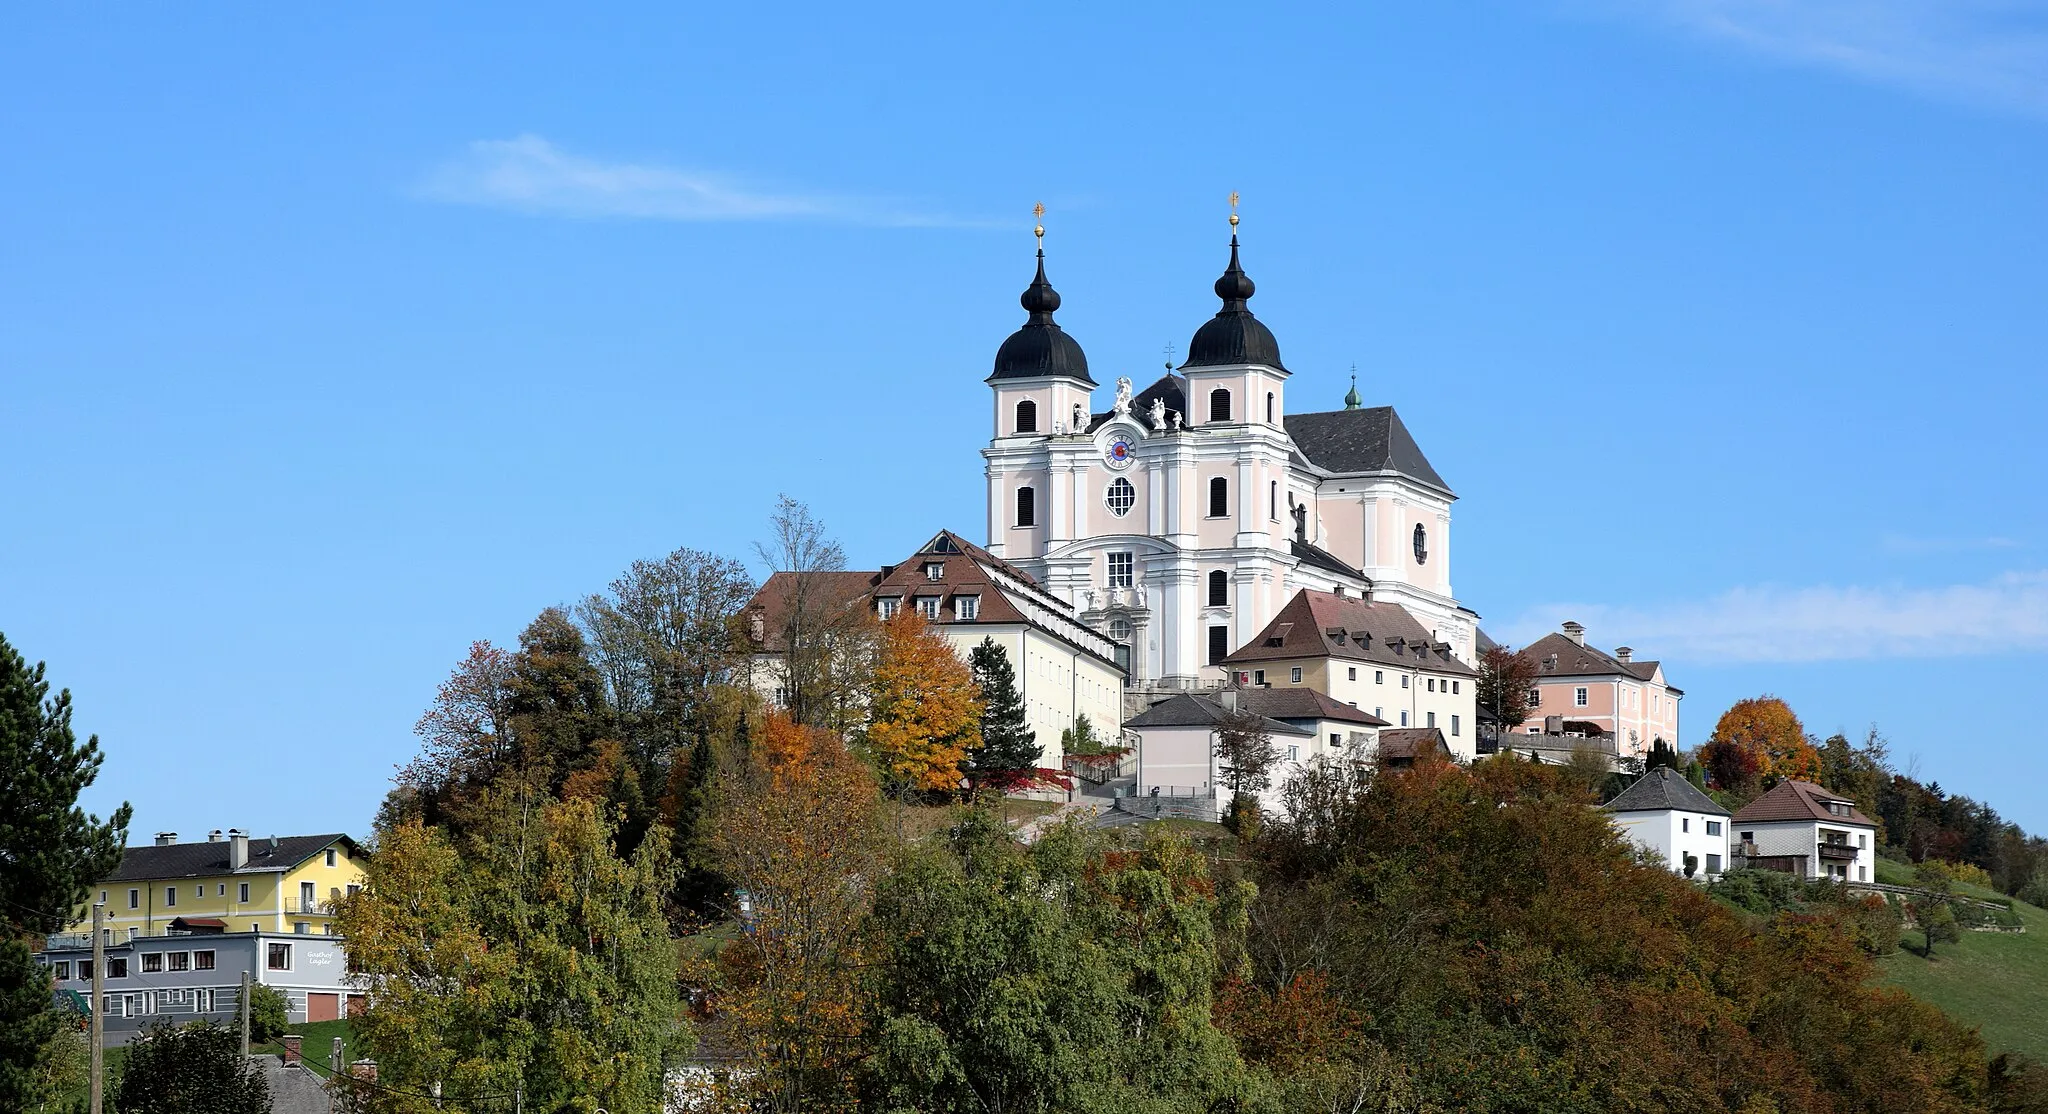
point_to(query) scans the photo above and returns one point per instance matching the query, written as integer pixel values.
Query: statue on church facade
(1123, 394)
(1158, 413)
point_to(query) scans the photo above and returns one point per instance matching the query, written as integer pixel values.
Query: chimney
(1575, 632)
(213, 836)
(291, 1043)
(1621, 654)
(165, 839)
(238, 848)
(365, 1070)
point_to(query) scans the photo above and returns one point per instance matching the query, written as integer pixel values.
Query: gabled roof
(1661, 789)
(1324, 624)
(1799, 801)
(1004, 593)
(1575, 659)
(774, 599)
(1412, 742)
(1188, 710)
(1317, 557)
(1304, 703)
(1367, 440)
(197, 860)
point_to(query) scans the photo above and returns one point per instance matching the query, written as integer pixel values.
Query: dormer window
(1219, 405)
(886, 607)
(928, 607)
(1027, 416)
(934, 570)
(967, 608)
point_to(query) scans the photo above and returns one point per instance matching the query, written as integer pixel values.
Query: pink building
(1625, 699)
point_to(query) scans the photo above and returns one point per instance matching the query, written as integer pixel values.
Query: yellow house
(229, 883)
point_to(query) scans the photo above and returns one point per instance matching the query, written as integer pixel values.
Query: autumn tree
(1244, 751)
(1756, 744)
(924, 712)
(524, 951)
(1009, 750)
(795, 831)
(1505, 678)
(826, 640)
(50, 852)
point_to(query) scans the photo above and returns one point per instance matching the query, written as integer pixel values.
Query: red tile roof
(1799, 800)
(1325, 624)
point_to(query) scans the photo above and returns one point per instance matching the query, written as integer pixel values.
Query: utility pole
(245, 1013)
(97, 1006)
(333, 1075)
(519, 1097)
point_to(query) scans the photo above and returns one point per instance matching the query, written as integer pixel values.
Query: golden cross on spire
(1233, 208)
(1038, 214)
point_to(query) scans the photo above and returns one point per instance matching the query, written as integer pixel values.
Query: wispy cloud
(529, 174)
(1902, 543)
(1992, 52)
(1777, 624)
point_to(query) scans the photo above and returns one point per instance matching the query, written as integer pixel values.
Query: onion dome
(1351, 399)
(1041, 347)
(1234, 336)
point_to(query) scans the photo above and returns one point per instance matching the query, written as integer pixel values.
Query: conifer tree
(1009, 747)
(50, 852)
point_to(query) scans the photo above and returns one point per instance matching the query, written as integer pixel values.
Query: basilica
(1180, 521)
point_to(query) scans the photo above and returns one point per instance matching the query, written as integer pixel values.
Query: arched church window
(1122, 496)
(1219, 589)
(1219, 405)
(1120, 634)
(1219, 498)
(1027, 507)
(1027, 417)
(1421, 544)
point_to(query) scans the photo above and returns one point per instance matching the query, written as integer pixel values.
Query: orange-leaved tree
(924, 709)
(1759, 742)
(795, 832)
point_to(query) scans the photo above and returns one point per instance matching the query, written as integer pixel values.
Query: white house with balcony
(1803, 829)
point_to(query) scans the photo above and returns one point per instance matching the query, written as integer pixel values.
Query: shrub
(2035, 892)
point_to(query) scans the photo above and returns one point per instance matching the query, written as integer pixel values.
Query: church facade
(1181, 520)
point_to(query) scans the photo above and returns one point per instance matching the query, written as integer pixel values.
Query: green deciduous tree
(194, 1069)
(50, 852)
(1009, 747)
(1245, 754)
(269, 1013)
(526, 949)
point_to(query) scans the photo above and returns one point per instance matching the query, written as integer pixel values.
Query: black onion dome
(1041, 347)
(1234, 336)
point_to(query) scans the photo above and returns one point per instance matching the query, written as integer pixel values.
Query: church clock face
(1119, 452)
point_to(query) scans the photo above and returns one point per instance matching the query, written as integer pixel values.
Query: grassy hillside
(1995, 980)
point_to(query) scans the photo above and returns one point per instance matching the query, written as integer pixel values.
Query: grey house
(198, 973)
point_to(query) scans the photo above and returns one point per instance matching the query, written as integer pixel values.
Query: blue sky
(330, 342)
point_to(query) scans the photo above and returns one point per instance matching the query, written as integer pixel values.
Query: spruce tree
(51, 852)
(1008, 744)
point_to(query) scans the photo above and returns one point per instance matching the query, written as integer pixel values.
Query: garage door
(323, 1007)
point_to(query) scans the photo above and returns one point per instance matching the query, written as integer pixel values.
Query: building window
(1579, 697)
(1685, 823)
(85, 969)
(933, 570)
(1269, 408)
(1713, 863)
(1535, 698)
(1404, 717)
(280, 958)
(1454, 688)
(1219, 589)
(1219, 497)
(1421, 544)
(928, 607)
(203, 961)
(117, 967)
(242, 891)
(1432, 684)
(1749, 837)
(61, 970)
(1027, 507)
(1863, 874)
(1294, 674)
(1219, 405)
(1027, 417)
(1454, 726)
(170, 897)
(152, 962)
(885, 607)
(1121, 498)
(1404, 680)
(1294, 754)
(1219, 644)
(1336, 740)
(134, 932)
(222, 889)
(1432, 720)
(1351, 673)
(1379, 676)
(1713, 827)
(181, 961)
(300, 927)
(134, 899)
(1379, 712)
(1121, 570)
(1273, 499)
(967, 608)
